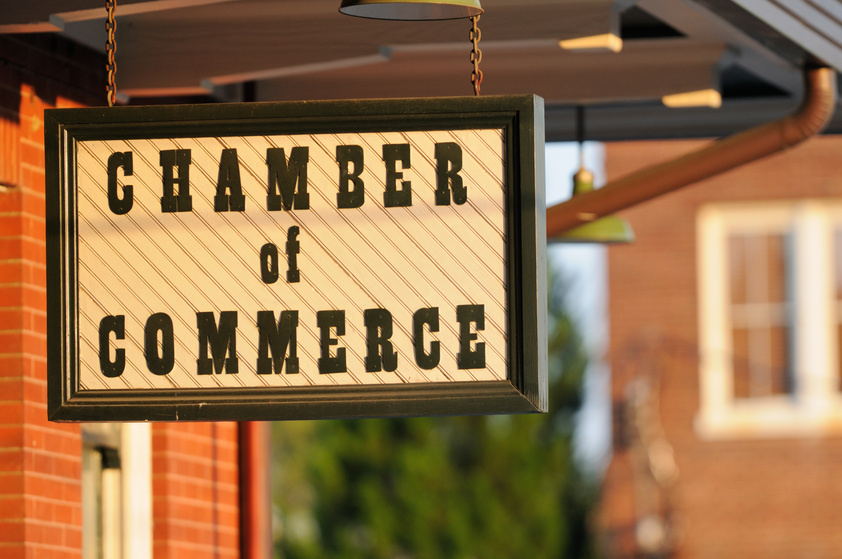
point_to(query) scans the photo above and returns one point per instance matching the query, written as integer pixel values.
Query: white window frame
(137, 490)
(815, 406)
(117, 503)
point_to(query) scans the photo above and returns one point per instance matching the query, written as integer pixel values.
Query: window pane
(837, 282)
(757, 265)
(839, 345)
(837, 263)
(760, 310)
(761, 362)
(742, 370)
(737, 269)
(780, 373)
(776, 272)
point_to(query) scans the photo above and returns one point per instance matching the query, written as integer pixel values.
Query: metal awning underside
(748, 52)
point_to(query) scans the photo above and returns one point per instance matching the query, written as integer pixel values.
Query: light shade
(411, 9)
(606, 230)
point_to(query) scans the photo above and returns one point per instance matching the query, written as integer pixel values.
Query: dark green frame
(522, 118)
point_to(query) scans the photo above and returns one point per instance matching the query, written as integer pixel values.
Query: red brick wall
(194, 465)
(195, 491)
(40, 464)
(771, 498)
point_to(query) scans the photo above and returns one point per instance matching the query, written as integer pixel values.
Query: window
(116, 491)
(102, 521)
(761, 314)
(770, 318)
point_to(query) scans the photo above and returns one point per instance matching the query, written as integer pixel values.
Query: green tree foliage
(446, 487)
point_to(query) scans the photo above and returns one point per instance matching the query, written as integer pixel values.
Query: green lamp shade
(411, 9)
(606, 230)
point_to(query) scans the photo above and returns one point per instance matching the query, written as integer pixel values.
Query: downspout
(717, 157)
(255, 465)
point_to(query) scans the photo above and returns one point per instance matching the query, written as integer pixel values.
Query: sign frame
(521, 117)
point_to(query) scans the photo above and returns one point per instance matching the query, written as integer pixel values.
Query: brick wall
(40, 464)
(769, 498)
(195, 489)
(194, 465)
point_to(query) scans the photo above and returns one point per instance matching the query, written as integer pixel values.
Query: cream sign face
(204, 264)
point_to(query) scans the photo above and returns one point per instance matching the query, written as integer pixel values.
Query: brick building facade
(725, 355)
(165, 490)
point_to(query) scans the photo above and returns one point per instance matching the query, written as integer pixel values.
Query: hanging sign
(296, 260)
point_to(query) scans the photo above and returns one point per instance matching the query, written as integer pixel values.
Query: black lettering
(392, 153)
(159, 362)
(222, 342)
(284, 176)
(325, 321)
(229, 180)
(269, 263)
(350, 197)
(293, 247)
(448, 165)
(430, 317)
(279, 339)
(116, 204)
(170, 202)
(117, 325)
(380, 355)
(468, 358)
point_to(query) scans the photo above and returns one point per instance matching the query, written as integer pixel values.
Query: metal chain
(476, 54)
(110, 48)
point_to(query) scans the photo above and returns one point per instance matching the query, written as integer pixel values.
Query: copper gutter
(717, 157)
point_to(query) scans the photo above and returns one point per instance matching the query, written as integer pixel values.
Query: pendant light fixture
(411, 9)
(607, 230)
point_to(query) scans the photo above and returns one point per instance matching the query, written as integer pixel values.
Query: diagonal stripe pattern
(396, 258)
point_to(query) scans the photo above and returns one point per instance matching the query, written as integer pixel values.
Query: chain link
(110, 49)
(476, 54)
